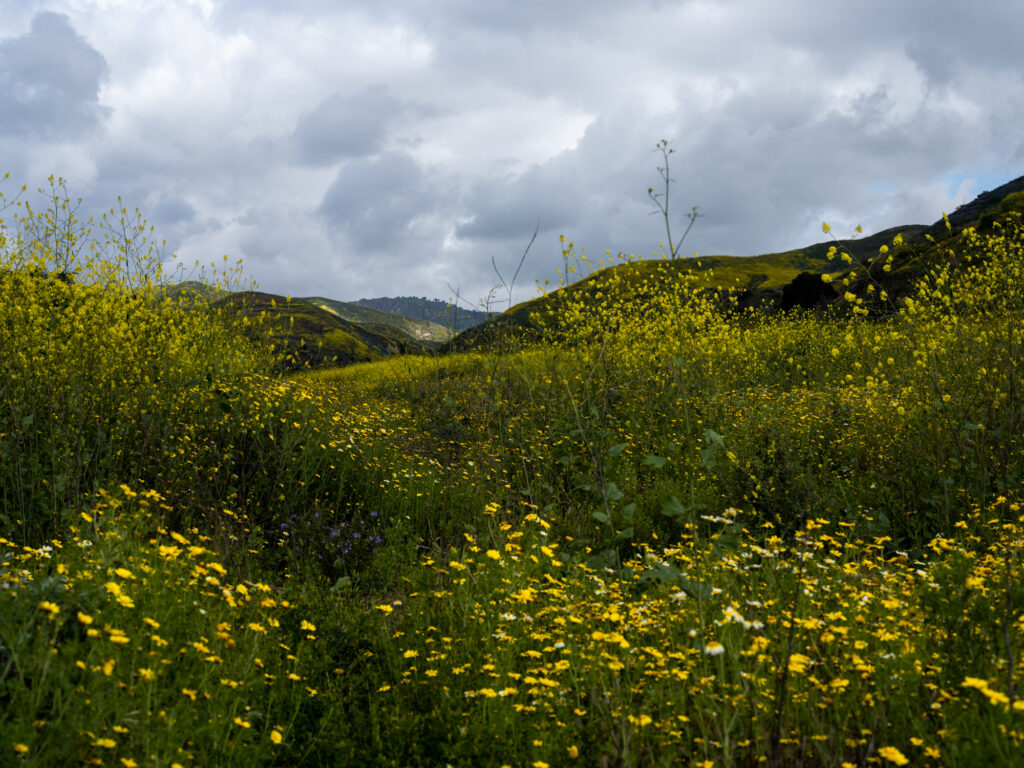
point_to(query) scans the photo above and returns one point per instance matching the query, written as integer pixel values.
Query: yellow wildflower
(798, 663)
(893, 755)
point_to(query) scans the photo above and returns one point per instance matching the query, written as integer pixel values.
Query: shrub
(96, 357)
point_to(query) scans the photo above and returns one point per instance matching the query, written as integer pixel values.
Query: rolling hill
(318, 331)
(312, 336)
(769, 282)
(434, 310)
(418, 329)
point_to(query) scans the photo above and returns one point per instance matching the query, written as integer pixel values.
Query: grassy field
(672, 532)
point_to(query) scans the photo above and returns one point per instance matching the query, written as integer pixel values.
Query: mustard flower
(893, 755)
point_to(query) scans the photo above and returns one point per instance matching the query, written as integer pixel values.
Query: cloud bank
(366, 149)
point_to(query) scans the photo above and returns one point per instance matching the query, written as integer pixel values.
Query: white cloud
(50, 79)
(364, 149)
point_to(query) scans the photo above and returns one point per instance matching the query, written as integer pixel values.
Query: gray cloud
(174, 210)
(346, 126)
(937, 66)
(49, 81)
(506, 207)
(374, 201)
(362, 148)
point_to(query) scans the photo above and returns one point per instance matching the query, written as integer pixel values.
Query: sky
(365, 148)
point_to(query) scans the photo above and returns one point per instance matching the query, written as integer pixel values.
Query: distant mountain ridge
(436, 311)
(316, 331)
(308, 335)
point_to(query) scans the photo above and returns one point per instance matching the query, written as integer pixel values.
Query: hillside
(681, 532)
(769, 282)
(433, 310)
(189, 290)
(325, 331)
(312, 336)
(417, 329)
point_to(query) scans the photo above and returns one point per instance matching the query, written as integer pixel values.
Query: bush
(96, 356)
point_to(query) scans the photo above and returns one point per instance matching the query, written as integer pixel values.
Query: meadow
(667, 531)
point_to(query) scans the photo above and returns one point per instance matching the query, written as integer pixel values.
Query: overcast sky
(371, 148)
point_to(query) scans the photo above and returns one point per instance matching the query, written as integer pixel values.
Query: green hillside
(769, 282)
(308, 335)
(191, 290)
(416, 329)
(680, 531)
(325, 331)
(433, 310)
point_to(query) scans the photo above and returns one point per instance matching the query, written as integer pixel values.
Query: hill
(433, 310)
(323, 331)
(769, 282)
(190, 290)
(717, 538)
(417, 329)
(312, 336)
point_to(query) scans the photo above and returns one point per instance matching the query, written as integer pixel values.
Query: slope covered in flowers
(677, 533)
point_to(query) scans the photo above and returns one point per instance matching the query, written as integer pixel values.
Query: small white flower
(714, 649)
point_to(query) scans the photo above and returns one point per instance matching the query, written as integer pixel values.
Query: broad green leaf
(623, 536)
(612, 492)
(655, 462)
(628, 512)
(673, 508)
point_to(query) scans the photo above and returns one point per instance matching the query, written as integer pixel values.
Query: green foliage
(95, 359)
(450, 315)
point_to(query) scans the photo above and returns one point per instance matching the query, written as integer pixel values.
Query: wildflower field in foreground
(676, 533)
